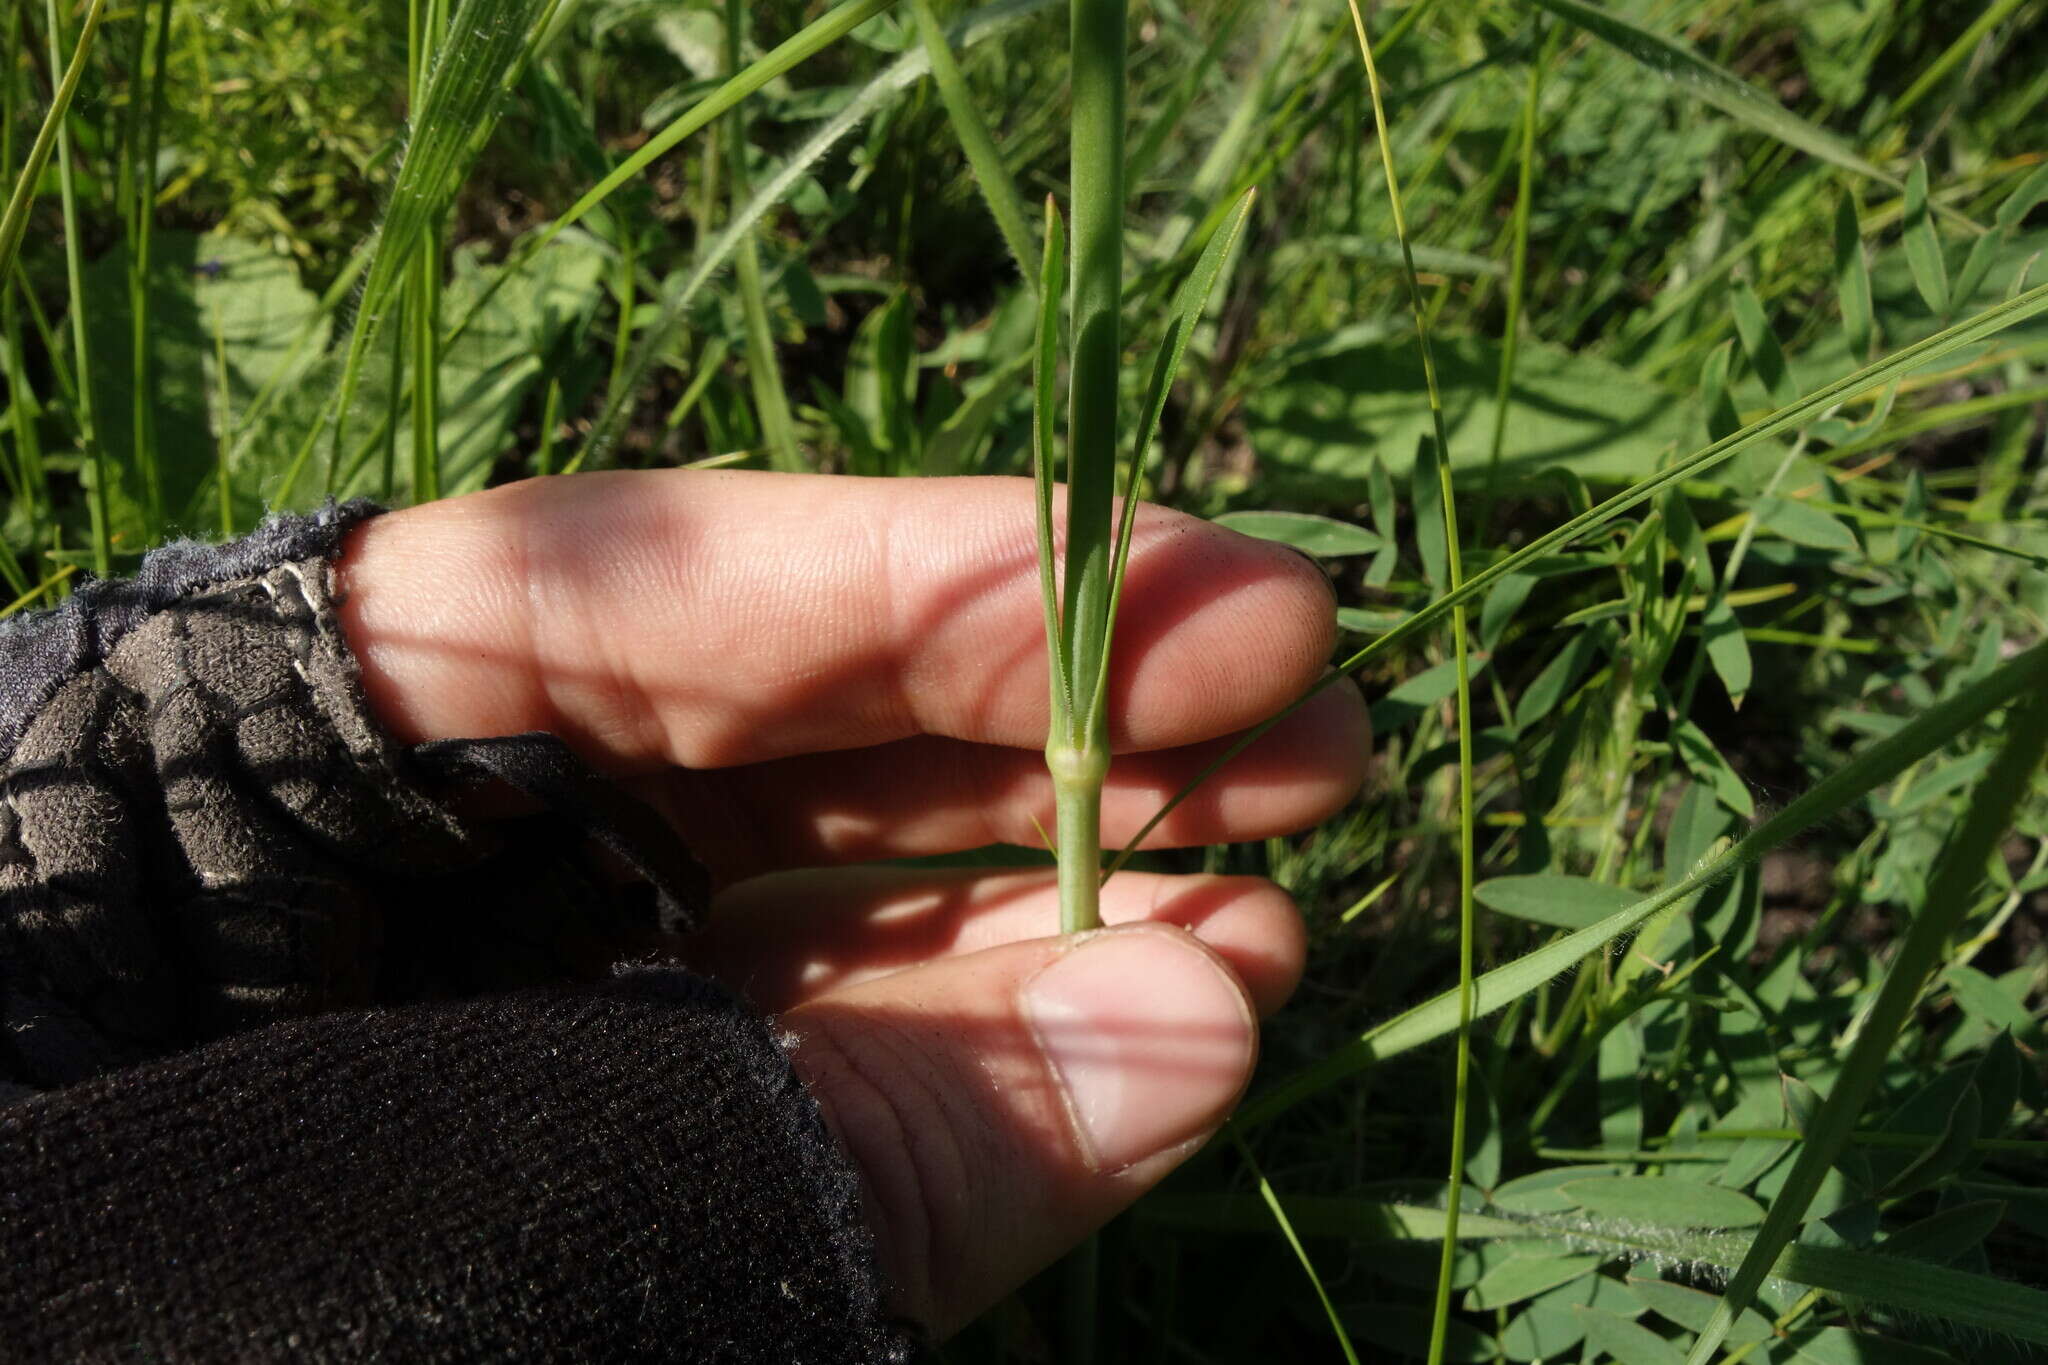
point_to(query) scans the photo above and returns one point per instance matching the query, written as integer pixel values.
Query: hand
(802, 672)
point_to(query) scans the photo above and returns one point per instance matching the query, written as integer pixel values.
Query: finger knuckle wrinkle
(895, 1116)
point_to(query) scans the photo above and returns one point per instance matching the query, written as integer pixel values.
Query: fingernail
(1150, 1037)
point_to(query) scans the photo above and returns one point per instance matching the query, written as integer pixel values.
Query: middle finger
(925, 796)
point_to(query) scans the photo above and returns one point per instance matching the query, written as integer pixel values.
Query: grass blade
(1462, 653)
(1995, 13)
(74, 270)
(1272, 1201)
(998, 189)
(1852, 279)
(448, 128)
(1951, 891)
(764, 369)
(15, 222)
(1715, 85)
(1187, 315)
(1876, 764)
(1923, 245)
(1052, 278)
(143, 408)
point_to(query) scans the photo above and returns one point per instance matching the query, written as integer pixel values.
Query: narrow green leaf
(998, 188)
(447, 130)
(1559, 677)
(1840, 1346)
(1923, 244)
(812, 39)
(1501, 605)
(1380, 493)
(764, 365)
(1803, 524)
(1052, 278)
(1719, 409)
(1947, 1154)
(1911, 1287)
(1983, 999)
(1943, 1236)
(1360, 621)
(881, 378)
(1625, 1340)
(1188, 308)
(1323, 536)
(2022, 200)
(1899, 1284)
(1524, 1277)
(1986, 250)
(1272, 1199)
(1951, 891)
(1713, 85)
(1760, 344)
(1942, 779)
(1852, 279)
(14, 223)
(1706, 763)
(1690, 1308)
(1415, 695)
(1565, 902)
(1664, 1201)
(1325, 1216)
(1727, 649)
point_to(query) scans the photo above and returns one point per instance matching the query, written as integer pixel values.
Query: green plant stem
(1461, 648)
(14, 222)
(426, 25)
(74, 268)
(223, 425)
(28, 461)
(764, 373)
(1081, 756)
(143, 405)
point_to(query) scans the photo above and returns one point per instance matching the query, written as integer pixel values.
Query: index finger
(711, 618)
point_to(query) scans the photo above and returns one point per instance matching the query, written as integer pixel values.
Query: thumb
(1002, 1105)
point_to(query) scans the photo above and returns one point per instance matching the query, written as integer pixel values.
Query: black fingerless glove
(211, 863)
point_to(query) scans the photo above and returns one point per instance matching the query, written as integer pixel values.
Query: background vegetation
(245, 280)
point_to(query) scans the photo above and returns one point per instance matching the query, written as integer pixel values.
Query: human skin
(804, 673)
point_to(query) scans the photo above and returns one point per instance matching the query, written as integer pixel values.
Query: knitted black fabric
(623, 1172)
(211, 863)
(201, 829)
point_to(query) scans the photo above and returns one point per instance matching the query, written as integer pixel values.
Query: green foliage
(1758, 569)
